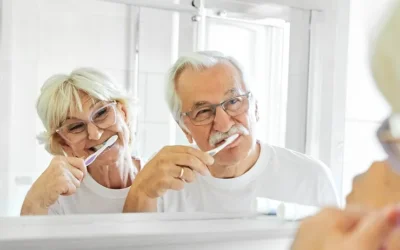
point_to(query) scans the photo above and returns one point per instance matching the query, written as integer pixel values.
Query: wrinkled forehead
(211, 85)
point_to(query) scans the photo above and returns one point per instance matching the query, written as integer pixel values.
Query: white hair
(59, 95)
(198, 61)
(385, 62)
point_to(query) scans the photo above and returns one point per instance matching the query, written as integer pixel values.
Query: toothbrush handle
(93, 157)
(90, 159)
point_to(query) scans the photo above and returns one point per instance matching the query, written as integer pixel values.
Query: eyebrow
(199, 104)
(232, 91)
(202, 103)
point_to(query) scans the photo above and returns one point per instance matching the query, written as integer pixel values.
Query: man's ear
(186, 132)
(188, 135)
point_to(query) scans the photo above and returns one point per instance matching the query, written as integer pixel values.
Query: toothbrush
(228, 141)
(93, 156)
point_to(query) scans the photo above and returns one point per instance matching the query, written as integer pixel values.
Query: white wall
(5, 100)
(365, 108)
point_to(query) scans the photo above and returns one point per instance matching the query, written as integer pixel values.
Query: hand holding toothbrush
(63, 177)
(170, 169)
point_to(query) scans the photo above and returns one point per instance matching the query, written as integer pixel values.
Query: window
(262, 50)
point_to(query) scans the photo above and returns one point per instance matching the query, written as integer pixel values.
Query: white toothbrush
(93, 156)
(228, 141)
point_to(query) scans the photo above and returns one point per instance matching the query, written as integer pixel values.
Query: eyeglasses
(234, 106)
(75, 130)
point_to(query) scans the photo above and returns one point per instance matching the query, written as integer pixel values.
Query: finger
(176, 184)
(372, 231)
(342, 220)
(70, 189)
(184, 173)
(77, 163)
(67, 185)
(351, 216)
(202, 156)
(77, 173)
(327, 226)
(74, 180)
(187, 160)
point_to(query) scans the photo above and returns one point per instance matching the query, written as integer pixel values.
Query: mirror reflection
(170, 83)
(169, 123)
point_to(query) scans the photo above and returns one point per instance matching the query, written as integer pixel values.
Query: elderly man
(211, 100)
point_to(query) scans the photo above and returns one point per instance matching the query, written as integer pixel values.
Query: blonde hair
(385, 61)
(60, 95)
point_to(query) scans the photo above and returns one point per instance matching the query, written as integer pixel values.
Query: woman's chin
(113, 154)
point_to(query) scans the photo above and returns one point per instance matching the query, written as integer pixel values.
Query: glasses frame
(113, 104)
(214, 107)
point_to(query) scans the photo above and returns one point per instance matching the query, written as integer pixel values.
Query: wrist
(33, 207)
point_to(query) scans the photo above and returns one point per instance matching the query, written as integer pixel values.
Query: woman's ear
(58, 144)
(124, 112)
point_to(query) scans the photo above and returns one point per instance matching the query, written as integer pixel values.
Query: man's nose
(222, 121)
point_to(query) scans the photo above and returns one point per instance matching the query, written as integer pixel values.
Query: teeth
(95, 148)
(220, 142)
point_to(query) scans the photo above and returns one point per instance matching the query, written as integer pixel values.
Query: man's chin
(228, 158)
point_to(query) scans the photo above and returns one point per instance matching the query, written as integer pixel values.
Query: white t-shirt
(279, 174)
(91, 198)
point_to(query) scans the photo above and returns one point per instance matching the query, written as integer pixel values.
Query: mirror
(137, 45)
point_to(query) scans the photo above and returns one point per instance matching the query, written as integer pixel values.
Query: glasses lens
(104, 117)
(73, 131)
(236, 105)
(201, 114)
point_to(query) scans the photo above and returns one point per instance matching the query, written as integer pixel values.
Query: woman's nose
(94, 133)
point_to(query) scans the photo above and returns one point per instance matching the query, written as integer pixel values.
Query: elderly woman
(80, 112)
